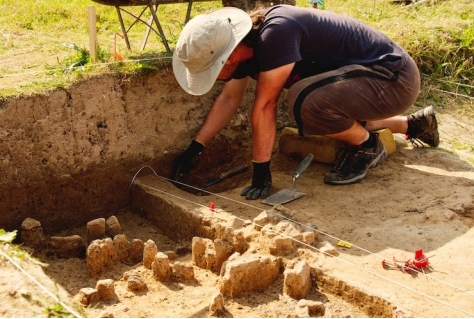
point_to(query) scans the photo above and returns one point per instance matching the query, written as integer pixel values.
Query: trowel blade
(283, 196)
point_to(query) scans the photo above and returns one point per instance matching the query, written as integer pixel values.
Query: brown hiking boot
(423, 128)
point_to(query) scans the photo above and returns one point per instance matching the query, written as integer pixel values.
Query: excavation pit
(68, 157)
(172, 219)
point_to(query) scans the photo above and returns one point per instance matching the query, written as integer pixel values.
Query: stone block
(217, 303)
(326, 248)
(182, 271)
(240, 243)
(297, 279)
(136, 284)
(223, 250)
(149, 252)
(120, 247)
(89, 296)
(245, 274)
(172, 255)
(95, 229)
(106, 289)
(100, 256)
(161, 267)
(31, 234)
(308, 309)
(203, 253)
(68, 247)
(261, 220)
(112, 226)
(281, 245)
(135, 251)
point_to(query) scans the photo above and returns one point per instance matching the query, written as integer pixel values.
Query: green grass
(461, 146)
(440, 37)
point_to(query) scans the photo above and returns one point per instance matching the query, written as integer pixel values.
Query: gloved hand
(261, 181)
(187, 160)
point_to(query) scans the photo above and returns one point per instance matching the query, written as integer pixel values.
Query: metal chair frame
(151, 5)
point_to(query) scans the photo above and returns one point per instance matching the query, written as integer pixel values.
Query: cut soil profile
(69, 157)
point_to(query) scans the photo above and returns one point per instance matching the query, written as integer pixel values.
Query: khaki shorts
(331, 102)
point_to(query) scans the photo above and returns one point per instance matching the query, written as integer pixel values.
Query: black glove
(187, 160)
(261, 181)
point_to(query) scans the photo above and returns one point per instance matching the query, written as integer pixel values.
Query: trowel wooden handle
(303, 165)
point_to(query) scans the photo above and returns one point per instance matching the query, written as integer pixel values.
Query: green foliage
(7, 237)
(462, 146)
(57, 311)
(80, 58)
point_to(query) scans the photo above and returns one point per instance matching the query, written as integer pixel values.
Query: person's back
(319, 41)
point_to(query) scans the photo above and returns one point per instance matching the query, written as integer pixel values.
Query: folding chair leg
(119, 14)
(147, 33)
(188, 12)
(160, 30)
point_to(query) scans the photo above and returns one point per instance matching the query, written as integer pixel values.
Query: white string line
(314, 248)
(303, 225)
(73, 312)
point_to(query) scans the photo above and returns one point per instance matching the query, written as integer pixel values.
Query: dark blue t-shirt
(318, 41)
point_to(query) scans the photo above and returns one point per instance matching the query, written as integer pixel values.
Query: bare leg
(396, 124)
(356, 135)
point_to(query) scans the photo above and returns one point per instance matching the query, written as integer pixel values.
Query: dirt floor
(418, 199)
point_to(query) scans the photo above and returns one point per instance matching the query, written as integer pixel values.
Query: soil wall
(69, 155)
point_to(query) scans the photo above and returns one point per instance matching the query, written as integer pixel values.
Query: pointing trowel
(234, 171)
(287, 195)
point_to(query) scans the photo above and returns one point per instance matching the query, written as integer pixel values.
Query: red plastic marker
(421, 261)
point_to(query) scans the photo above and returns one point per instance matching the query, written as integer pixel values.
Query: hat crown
(202, 41)
(204, 46)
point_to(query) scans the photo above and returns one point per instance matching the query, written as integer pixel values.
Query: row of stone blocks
(31, 235)
(241, 268)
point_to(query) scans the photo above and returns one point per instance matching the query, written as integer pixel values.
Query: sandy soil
(418, 199)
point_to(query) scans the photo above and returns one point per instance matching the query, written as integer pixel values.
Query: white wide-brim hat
(204, 46)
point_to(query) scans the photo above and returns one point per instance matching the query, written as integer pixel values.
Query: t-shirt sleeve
(279, 44)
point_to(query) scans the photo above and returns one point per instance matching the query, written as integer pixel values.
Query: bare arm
(223, 109)
(269, 86)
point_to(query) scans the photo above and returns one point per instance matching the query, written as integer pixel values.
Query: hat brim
(201, 82)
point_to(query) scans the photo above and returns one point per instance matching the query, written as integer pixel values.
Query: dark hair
(257, 16)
